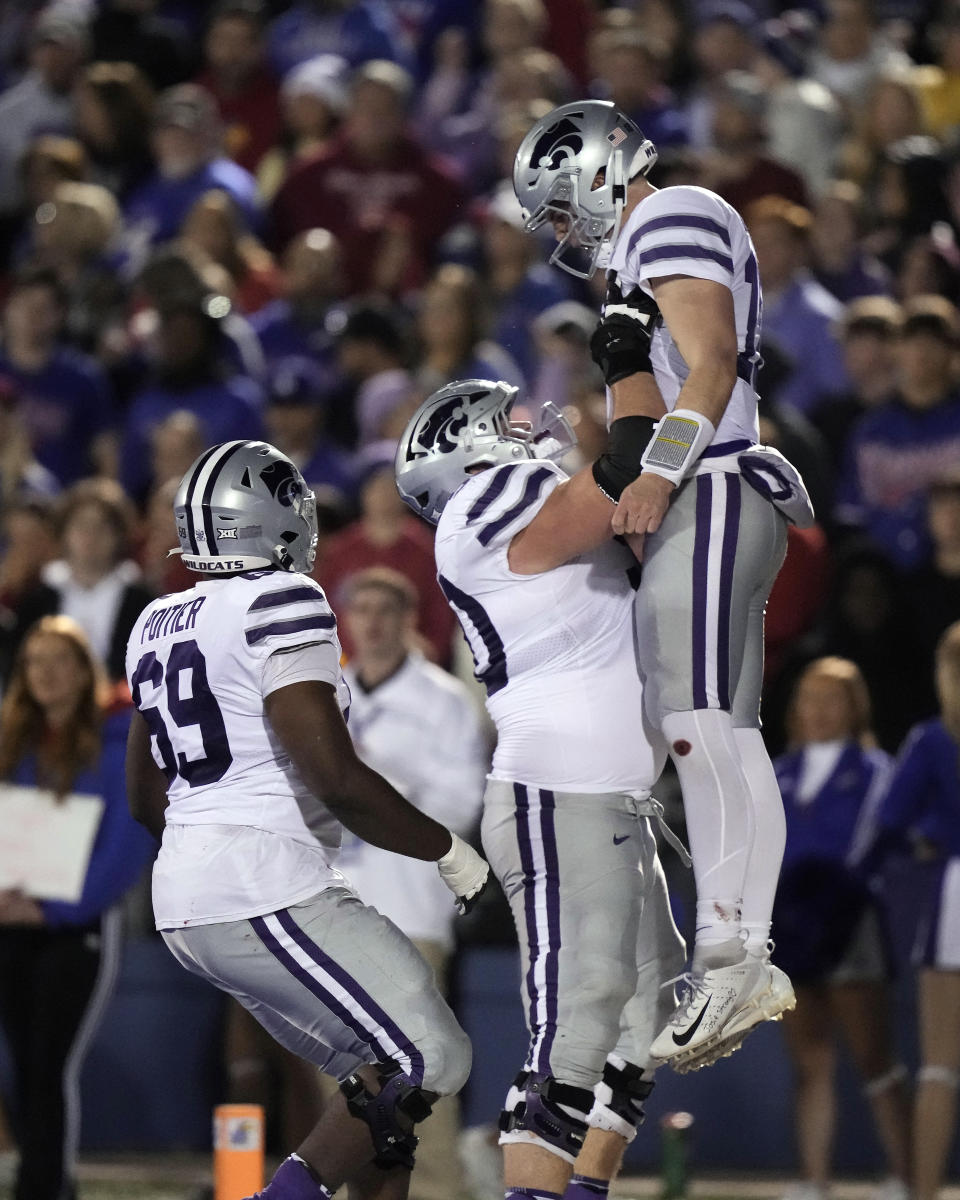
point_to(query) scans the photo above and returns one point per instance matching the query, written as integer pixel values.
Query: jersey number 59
(197, 708)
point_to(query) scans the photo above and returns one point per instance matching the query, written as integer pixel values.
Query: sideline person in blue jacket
(830, 934)
(60, 732)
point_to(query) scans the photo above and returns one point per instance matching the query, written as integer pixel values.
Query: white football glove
(464, 872)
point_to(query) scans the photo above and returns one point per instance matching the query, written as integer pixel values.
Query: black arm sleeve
(620, 464)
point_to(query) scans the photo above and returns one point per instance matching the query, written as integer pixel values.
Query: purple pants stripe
(728, 553)
(701, 552)
(552, 864)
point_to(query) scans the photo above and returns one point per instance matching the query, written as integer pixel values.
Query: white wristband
(678, 441)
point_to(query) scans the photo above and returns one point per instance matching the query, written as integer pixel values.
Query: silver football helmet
(244, 505)
(576, 162)
(463, 426)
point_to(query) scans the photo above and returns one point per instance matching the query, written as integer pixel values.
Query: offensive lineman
(696, 491)
(240, 701)
(524, 557)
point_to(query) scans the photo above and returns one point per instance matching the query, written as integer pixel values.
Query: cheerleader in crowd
(62, 730)
(922, 804)
(830, 932)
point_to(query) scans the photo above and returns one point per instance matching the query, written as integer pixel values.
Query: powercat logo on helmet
(442, 426)
(555, 145)
(282, 482)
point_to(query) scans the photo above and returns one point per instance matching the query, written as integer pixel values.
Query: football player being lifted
(706, 509)
(526, 560)
(240, 760)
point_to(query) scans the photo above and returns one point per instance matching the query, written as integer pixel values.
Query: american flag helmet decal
(616, 136)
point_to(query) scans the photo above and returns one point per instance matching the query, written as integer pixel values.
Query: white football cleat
(769, 1005)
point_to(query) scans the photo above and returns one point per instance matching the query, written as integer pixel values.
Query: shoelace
(691, 988)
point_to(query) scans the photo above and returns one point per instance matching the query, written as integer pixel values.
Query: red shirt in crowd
(251, 118)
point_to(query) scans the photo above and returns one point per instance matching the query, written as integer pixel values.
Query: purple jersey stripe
(680, 221)
(494, 675)
(689, 250)
(530, 913)
(701, 551)
(329, 1001)
(728, 553)
(290, 595)
(491, 492)
(530, 492)
(370, 1007)
(295, 625)
(552, 965)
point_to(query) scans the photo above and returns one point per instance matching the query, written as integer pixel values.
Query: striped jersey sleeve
(504, 501)
(286, 612)
(677, 231)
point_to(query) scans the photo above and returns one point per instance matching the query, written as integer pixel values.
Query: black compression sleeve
(621, 462)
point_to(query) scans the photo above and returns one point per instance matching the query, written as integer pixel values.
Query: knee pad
(882, 1083)
(390, 1114)
(547, 1113)
(946, 1076)
(618, 1098)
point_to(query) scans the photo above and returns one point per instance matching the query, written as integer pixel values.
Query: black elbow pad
(621, 463)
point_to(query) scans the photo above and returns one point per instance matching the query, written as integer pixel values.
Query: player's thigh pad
(336, 983)
(711, 562)
(569, 865)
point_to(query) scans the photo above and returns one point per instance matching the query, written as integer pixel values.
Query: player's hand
(642, 506)
(464, 872)
(16, 908)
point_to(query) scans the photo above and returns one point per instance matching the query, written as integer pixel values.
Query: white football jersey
(243, 835)
(421, 729)
(691, 231)
(555, 650)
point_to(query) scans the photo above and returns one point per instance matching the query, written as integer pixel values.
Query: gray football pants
(336, 983)
(597, 939)
(707, 574)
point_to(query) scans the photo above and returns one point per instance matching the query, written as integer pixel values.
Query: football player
(240, 759)
(525, 558)
(707, 509)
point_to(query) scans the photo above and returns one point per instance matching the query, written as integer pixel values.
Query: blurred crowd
(293, 221)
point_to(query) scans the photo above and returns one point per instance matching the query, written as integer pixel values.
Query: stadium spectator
(803, 120)
(896, 451)
(95, 582)
(451, 322)
(213, 225)
(929, 264)
(938, 83)
(722, 42)
(186, 145)
(869, 331)
(21, 476)
(163, 573)
(798, 312)
(62, 731)
(850, 51)
(313, 100)
(837, 256)
(357, 31)
(386, 535)
(919, 808)
(934, 589)
(888, 115)
(187, 374)
(381, 195)
(627, 68)
(421, 729)
(63, 397)
(738, 167)
(41, 102)
(373, 353)
(29, 539)
(132, 31)
(295, 419)
(114, 112)
(237, 76)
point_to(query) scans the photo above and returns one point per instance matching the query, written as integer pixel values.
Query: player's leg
(340, 985)
(717, 547)
(935, 1104)
(627, 1078)
(568, 866)
(862, 1010)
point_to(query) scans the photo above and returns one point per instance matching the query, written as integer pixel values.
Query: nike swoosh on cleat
(619, 840)
(682, 1038)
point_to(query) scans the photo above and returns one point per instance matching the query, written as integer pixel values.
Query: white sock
(769, 838)
(719, 825)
